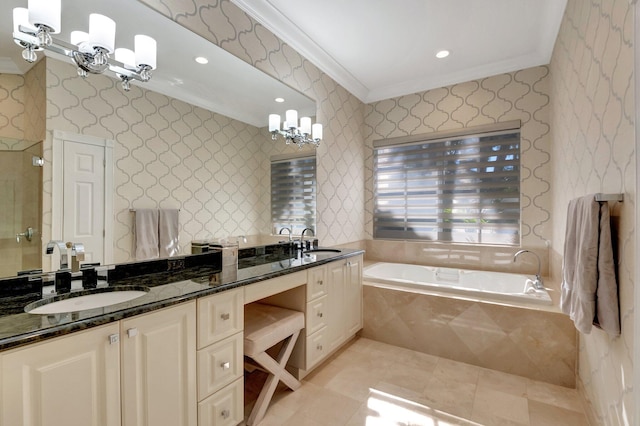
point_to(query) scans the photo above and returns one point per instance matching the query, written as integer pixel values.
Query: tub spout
(537, 283)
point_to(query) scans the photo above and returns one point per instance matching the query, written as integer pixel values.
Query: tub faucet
(286, 229)
(51, 245)
(537, 283)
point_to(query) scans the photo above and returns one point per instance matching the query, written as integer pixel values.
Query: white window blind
(452, 189)
(293, 194)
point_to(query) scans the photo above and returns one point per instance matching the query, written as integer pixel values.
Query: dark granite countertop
(193, 279)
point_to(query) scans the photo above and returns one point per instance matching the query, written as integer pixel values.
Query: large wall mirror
(194, 137)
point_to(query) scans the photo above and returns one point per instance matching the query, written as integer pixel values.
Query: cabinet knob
(132, 332)
(225, 414)
(319, 347)
(114, 338)
(225, 365)
(225, 317)
(320, 314)
(320, 282)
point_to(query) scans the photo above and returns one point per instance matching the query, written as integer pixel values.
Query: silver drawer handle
(225, 414)
(225, 317)
(225, 365)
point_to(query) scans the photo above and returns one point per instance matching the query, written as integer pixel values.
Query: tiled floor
(371, 383)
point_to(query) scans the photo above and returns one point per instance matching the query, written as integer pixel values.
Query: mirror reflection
(190, 139)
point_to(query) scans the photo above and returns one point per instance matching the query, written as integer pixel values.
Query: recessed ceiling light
(201, 60)
(279, 100)
(442, 54)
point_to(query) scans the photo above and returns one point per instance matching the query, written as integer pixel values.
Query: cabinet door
(353, 295)
(335, 306)
(73, 380)
(159, 368)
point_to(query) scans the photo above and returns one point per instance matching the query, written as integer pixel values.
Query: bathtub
(489, 286)
(489, 319)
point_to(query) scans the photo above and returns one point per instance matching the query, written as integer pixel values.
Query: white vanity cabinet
(333, 311)
(72, 380)
(159, 367)
(220, 359)
(78, 379)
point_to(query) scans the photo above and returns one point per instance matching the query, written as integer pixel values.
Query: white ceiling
(378, 49)
(226, 85)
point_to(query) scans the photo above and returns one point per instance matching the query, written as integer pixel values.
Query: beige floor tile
(373, 384)
(451, 396)
(503, 382)
(542, 414)
(554, 395)
(449, 370)
(500, 408)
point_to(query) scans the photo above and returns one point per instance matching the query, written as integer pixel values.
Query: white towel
(168, 228)
(588, 274)
(146, 234)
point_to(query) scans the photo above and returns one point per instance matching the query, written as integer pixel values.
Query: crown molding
(287, 31)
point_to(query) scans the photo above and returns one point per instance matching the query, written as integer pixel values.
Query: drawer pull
(225, 317)
(132, 332)
(225, 414)
(114, 338)
(225, 365)
(320, 314)
(320, 282)
(319, 347)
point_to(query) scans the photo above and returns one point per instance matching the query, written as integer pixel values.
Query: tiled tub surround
(197, 277)
(538, 343)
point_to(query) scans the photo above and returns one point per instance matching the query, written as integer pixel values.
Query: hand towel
(146, 234)
(588, 272)
(168, 228)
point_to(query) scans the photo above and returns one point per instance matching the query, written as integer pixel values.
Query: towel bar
(609, 197)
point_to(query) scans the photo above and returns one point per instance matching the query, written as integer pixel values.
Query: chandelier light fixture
(306, 134)
(33, 26)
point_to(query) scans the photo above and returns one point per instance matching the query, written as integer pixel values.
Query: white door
(82, 195)
(83, 205)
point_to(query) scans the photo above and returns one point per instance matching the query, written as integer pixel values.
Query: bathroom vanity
(173, 356)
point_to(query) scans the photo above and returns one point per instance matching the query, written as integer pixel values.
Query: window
(293, 193)
(462, 187)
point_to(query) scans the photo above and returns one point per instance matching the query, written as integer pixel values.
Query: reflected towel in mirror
(146, 234)
(168, 227)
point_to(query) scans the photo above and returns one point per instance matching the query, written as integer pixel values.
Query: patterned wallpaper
(521, 95)
(340, 158)
(593, 151)
(12, 94)
(168, 154)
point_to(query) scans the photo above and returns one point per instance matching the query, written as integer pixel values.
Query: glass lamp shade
(145, 47)
(102, 32)
(45, 12)
(126, 56)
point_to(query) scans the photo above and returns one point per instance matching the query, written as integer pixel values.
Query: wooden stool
(264, 327)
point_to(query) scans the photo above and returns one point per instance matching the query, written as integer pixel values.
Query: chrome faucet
(285, 229)
(313, 234)
(77, 255)
(537, 283)
(64, 262)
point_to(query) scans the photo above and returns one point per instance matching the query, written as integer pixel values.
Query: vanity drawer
(316, 315)
(316, 282)
(317, 347)
(220, 316)
(223, 408)
(219, 365)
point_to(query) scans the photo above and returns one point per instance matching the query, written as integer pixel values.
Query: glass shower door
(20, 206)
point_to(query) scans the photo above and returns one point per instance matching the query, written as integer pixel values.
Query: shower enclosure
(20, 205)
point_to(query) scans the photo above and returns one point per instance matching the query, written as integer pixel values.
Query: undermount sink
(86, 299)
(323, 251)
